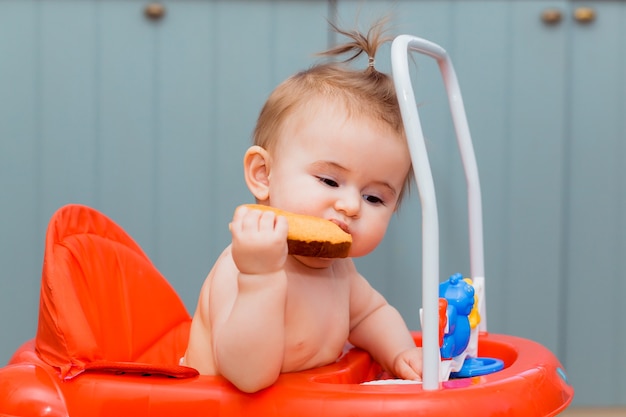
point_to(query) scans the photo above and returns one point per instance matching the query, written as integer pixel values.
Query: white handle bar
(423, 176)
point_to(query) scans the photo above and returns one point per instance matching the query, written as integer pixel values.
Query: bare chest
(317, 321)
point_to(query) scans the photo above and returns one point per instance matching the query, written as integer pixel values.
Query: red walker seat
(103, 303)
(111, 331)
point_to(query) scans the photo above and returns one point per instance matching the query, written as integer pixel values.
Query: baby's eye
(328, 181)
(373, 199)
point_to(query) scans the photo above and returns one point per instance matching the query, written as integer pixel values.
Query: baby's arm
(248, 330)
(378, 328)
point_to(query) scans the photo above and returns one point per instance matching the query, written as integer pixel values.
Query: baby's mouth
(342, 225)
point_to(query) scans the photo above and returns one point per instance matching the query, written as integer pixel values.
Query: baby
(329, 142)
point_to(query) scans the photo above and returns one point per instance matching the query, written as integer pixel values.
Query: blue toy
(458, 341)
(460, 297)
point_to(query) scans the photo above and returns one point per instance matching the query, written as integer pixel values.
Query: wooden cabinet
(147, 119)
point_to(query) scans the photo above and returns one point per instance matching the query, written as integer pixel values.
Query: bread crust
(312, 236)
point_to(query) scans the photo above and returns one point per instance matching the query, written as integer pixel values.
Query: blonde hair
(366, 92)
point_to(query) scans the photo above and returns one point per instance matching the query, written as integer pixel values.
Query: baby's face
(347, 169)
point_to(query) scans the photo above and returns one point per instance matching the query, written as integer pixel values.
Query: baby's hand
(259, 241)
(408, 364)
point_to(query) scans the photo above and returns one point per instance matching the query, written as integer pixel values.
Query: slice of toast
(312, 236)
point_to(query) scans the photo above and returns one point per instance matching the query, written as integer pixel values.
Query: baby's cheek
(365, 241)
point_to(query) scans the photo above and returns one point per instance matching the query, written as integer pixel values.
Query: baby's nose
(349, 204)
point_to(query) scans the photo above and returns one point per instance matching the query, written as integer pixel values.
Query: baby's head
(362, 92)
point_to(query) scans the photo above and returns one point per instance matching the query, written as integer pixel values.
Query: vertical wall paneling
(20, 174)
(596, 277)
(128, 122)
(535, 135)
(620, 224)
(304, 22)
(186, 112)
(68, 103)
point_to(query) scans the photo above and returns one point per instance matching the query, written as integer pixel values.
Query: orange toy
(111, 330)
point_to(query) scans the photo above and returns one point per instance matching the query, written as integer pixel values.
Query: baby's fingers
(236, 224)
(267, 221)
(405, 371)
(281, 226)
(408, 365)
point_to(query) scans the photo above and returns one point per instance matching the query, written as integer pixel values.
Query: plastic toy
(111, 329)
(459, 337)
(460, 299)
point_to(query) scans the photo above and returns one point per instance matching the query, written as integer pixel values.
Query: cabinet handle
(551, 16)
(584, 15)
(154, 11)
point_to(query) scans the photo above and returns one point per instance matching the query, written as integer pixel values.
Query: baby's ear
(256, 169)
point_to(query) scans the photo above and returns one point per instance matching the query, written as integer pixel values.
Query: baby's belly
(317, 347)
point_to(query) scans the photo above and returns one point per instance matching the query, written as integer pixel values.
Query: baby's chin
(315, 262)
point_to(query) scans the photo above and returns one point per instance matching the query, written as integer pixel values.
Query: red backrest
(103, 303)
